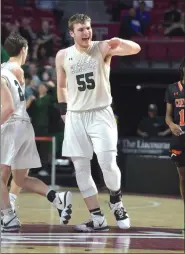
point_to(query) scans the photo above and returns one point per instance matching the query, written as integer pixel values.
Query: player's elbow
(136, 49)
(10, 110)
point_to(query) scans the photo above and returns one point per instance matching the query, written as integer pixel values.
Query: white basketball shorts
(89, 131)
(18, 147)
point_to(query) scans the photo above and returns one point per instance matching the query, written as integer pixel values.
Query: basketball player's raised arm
(7, 105)
(119, 47)
(61, 83)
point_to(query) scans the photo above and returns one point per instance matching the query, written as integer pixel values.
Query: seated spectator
(45, 76)
(30, 89)
(153, 125)
(149, 4)
(172, 14)
(46, 5)
(130, 26)
(143, 16)
(51, 68)
(173, 23)
(42, 56)
(33, 71)
(176, 29)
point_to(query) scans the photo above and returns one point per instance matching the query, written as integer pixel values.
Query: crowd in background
(40, 75)
(137, 18)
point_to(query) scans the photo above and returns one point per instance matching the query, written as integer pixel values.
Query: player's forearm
(169, 120)
(130, 46)
(62, 94)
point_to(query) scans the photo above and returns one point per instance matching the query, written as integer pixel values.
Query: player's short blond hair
(76, 19)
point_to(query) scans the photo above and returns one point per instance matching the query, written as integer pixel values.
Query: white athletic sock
(12, 197)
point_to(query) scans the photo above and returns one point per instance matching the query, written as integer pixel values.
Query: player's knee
(18, 182)
(111, 172)
(84, 179)
(107, 161)
(179, 159)
(5, 175)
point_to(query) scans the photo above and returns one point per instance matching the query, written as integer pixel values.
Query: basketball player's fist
(176, 129)
(114, 43)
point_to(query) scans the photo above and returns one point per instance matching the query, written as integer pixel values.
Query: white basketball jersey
(87, 74)
(17, 92)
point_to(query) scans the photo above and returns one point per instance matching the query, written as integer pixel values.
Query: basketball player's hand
(63, 117)
(176, 129)
(114, 43)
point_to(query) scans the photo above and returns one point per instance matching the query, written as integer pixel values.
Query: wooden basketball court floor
(156, 227)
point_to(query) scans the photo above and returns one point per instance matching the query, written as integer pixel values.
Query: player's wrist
(171, 124)
(63, 108)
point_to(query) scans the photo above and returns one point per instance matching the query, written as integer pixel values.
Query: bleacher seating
(159, 48)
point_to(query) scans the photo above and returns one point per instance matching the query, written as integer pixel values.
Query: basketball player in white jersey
(18, 148)
(84, 97)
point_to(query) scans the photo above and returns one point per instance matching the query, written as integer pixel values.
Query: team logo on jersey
(84, 65)
(179, 103)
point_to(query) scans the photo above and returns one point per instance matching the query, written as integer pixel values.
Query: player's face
(82, 34)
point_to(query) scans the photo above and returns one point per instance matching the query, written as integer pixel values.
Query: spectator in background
(130, 26)
(45, 38)
(45, 4)
(6, 29)
(149, 4)
(33, 71)
(173, 21)
(143, 16)
(50, 67)
(4, 55)
(42, 56)
(39, 111)
(153, 125)
(172, 15)
(26, 31)
(30, 89)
